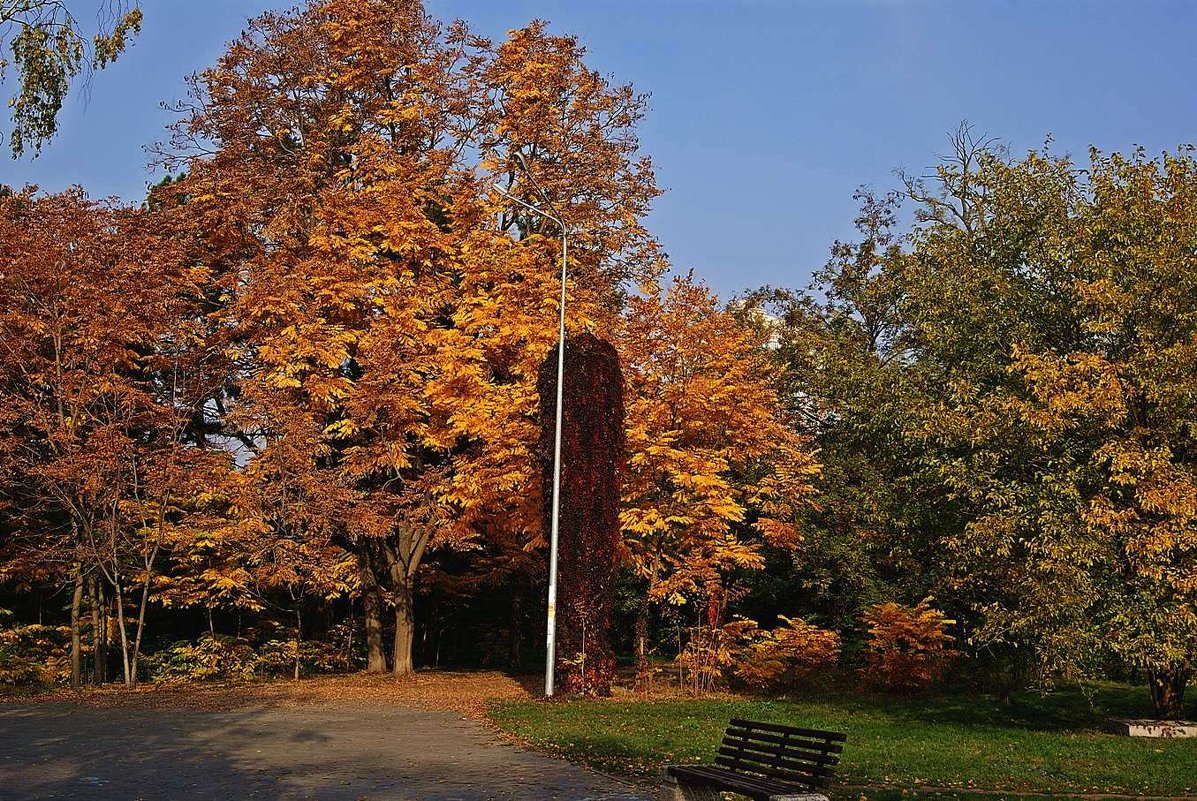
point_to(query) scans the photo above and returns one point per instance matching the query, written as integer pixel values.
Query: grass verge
(964, 744)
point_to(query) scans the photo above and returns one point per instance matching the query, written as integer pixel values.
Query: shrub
(787, 656)
(908, 647)
(211, 658)
(713, 650)
(33, 654)
(226, 658)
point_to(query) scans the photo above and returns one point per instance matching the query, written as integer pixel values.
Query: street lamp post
(551, 635)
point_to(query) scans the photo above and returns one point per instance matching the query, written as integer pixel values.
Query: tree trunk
(402, 563)
(643, 671)
(298, 636)
(99, 632)
(76, 638)
(517, 630)
(404, 627)
(1167, 687)
(145, 597)
(376, 658)
(120, 623)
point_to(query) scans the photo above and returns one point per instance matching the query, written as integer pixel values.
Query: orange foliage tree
(787, 656)
(383, 307)
(98, 382)
(714, 471)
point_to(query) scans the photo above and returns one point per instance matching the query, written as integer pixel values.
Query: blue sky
(766, 114)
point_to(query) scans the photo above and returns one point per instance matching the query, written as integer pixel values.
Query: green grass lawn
(965, 744)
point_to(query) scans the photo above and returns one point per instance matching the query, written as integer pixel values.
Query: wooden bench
(763, 761)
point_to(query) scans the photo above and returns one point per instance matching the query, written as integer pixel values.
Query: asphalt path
(332, 751)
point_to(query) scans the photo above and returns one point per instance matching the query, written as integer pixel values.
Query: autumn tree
(97, 383)
(50, 50)
(389, 308)
(715, 471)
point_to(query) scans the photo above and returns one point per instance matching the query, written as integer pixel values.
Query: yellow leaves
(1082, 385)
(703, 413)
(344, 428)
(226, 581)
(786, 656)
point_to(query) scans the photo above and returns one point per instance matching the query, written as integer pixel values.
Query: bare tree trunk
(99, 632)
(145, 591)
(643, 671)
(404, 623)
(298, 635)
(1168, 692)
(76, 637)
(517, 630)
(376, 658)
(145, 595)
(120, 622)
(403, 560)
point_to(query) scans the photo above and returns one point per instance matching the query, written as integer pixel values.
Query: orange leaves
(908, 647)
(385, 326)
(709, 448)
(788, 656)
(781, 659)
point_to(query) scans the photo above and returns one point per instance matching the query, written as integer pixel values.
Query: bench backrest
(782, 753)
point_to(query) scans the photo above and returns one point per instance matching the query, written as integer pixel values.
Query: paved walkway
(335, 751)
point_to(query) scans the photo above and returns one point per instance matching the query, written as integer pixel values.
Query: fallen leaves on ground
(467, 693)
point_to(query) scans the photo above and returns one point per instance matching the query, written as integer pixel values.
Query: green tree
(850, 380)
(1003, 397)
(50, 49)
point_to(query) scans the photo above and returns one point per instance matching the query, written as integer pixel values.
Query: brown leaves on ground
(465, 693)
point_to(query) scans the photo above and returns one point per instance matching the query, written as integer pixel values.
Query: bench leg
(673, 790)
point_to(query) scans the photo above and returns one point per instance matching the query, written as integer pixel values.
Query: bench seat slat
(773, 773)
(756, 788)
(785, 750)
(784, 763)
(813, 745)
(777, 727)
(789, 779)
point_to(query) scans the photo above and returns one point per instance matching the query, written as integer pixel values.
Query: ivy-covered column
(592, 455)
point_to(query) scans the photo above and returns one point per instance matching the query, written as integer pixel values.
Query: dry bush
(714, 650)
(787, 656)
(908, 647)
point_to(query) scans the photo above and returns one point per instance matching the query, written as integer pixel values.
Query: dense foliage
(288, 406)
(301, 378)
(1004, 400)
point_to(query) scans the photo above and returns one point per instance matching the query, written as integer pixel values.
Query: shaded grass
(961, 742)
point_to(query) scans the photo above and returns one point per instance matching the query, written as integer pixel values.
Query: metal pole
(551, 628)
(551, 637)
